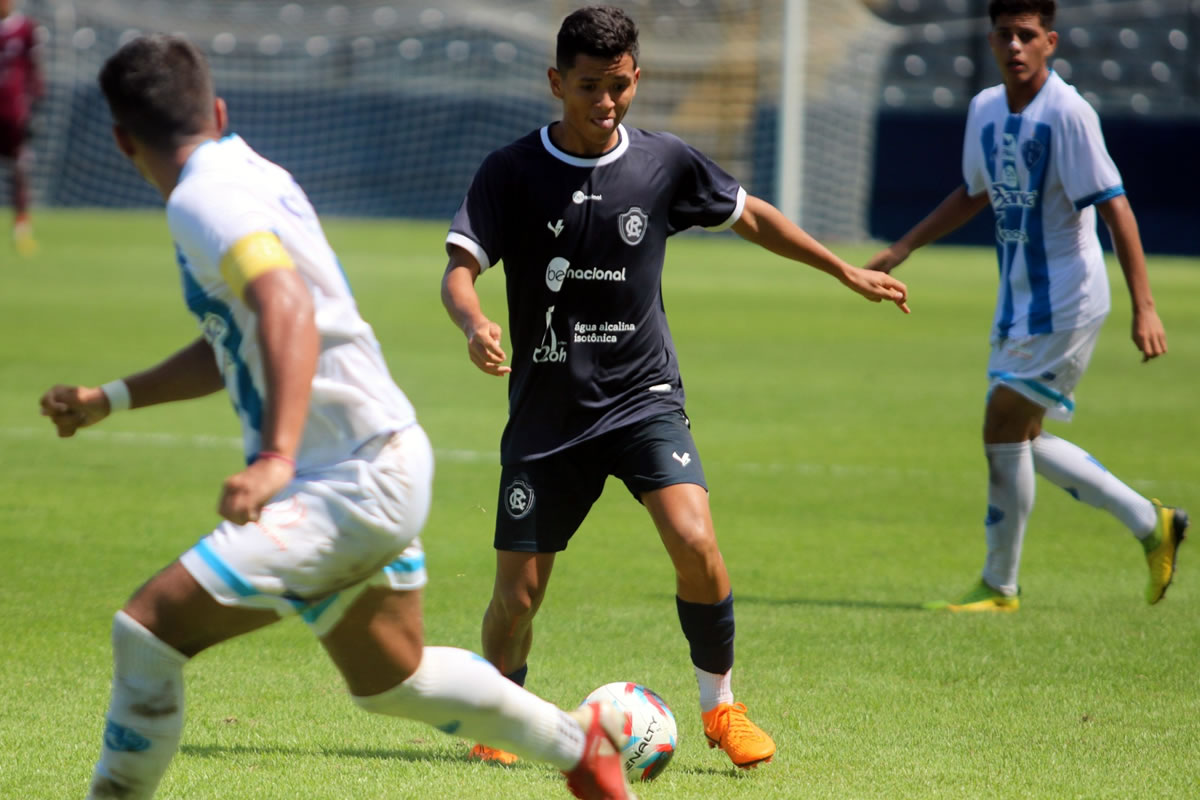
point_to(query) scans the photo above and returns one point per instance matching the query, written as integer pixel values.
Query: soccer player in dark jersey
(580, 212)
(20, 85)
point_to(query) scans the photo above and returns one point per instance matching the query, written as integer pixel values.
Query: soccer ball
(649, 723)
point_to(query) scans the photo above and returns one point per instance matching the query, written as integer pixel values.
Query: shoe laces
(732, 723)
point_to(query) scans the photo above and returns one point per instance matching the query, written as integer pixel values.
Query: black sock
(709, 631)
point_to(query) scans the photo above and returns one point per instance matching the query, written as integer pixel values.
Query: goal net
(387, 109)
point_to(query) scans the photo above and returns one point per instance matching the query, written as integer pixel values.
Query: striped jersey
(229, 199)
(1044, 169)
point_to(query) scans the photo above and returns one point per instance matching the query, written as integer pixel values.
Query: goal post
(387, 108)
(789, 175)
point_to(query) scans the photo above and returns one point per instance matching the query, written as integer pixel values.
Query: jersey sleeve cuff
(1100, 197)
(739, 207)
(471, 246)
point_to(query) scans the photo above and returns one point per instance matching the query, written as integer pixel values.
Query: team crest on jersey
(518, 499)
(632, 225)
(1032, 151)
(215, 328)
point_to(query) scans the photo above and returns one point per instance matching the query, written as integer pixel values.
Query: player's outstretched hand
(878, 286)
(244, 494)
(887, 259)
(483, 345)
(73, 407)
(1149, 334)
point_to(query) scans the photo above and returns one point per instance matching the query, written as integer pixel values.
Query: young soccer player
(1034, 151)
(580, 212)
(324, 520)
(20, 85)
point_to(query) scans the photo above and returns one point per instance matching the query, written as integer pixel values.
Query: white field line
(200, 440)
(207, 441)
(848, 471)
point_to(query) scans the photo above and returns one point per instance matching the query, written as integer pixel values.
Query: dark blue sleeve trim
(1100, 197)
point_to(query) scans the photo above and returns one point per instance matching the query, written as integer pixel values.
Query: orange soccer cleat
(746, 744)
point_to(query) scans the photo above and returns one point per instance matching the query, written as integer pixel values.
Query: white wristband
(117, 393)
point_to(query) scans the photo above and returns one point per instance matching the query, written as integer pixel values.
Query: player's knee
(135, 645)
(1002, 428)
(695, 549)
(1010, 417)
(515, 604)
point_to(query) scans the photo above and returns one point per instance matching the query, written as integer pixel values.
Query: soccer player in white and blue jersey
(1033, 150)
(323, 521)
(580, 212)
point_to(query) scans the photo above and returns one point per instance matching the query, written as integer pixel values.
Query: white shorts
(1045, 368)
(327, 535)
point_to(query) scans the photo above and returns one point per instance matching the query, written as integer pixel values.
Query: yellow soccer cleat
(492, 755)
(1162, 548)
(982, 598)
(746, 744)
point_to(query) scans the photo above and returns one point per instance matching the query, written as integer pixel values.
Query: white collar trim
(577, 161)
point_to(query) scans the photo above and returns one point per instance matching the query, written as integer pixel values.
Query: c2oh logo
(551, 350)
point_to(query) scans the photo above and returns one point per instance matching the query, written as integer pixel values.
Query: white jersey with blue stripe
(1045, 169)
(225, 193)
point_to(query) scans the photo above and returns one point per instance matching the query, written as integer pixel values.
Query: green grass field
(841, 442)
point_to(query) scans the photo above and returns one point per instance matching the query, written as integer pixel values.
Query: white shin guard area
(1074, 470)
(1010, 499)
(145, 714)
(460, 693)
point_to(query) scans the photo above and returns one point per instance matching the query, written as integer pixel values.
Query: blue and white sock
(145, 715)
(460, 693)
(1084, 478)
(1011, 491)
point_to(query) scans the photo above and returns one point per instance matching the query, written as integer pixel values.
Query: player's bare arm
(289, 341)
(1148, 333)
(462, 304)
(956, 210)
(189, 373)
(767, 227)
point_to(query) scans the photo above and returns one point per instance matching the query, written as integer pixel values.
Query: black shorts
(544, 501)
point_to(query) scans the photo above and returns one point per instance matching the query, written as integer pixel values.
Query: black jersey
(582, 241)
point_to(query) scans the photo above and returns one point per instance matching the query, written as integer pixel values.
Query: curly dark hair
(600, 31)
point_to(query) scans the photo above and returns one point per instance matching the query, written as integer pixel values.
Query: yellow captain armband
(251, 256)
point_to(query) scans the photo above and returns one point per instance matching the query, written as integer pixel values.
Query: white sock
(460, 693)
(145, 714)
(714, 689)
(1072, 468)
(1010, 499)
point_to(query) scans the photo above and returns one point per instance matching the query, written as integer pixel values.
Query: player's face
(595, 94)
(1022, 47)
